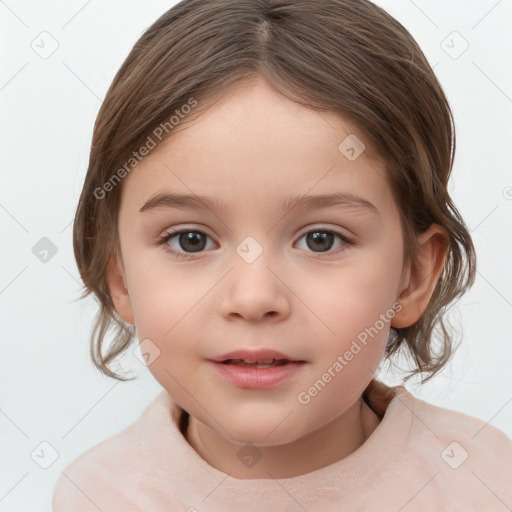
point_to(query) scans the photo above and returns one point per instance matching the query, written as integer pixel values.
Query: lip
(256, 378)
(251, 356)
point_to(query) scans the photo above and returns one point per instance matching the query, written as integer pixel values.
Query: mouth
(256, 370)
(263, 363)
(252, 358)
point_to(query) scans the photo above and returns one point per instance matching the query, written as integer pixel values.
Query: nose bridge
(253, 289)
(252, 265)
(251, 248)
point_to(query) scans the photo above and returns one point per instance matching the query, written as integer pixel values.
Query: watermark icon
(304, 397)
(148, 352)
(454, 45)
(249, 455)
(137, 156)
(249, 249)
(507, 193)
(44, 250)
(44, 455)
(45, 45)
(454, 455)
(351, 147)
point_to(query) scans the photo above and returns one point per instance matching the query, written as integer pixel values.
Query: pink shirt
(420, 458)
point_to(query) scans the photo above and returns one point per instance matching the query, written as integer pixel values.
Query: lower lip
(256, 378)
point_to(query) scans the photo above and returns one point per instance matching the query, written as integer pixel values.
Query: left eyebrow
(300, 202)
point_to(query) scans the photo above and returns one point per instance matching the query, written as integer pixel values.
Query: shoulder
(104, 475)
(429, 458)
(82, 484)
(446, 423)
(425, 424)
(470, 457)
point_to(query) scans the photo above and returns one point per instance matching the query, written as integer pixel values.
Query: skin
(252, 149)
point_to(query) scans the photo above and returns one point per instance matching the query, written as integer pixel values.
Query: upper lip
(252, 356)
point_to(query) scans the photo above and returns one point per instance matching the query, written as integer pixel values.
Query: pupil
(194, 240)
(318, 239)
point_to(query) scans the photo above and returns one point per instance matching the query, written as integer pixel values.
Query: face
(317, 284)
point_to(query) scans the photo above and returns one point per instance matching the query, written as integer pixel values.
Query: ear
(117, 285)
(420, 281)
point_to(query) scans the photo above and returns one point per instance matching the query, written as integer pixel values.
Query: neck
(323, 447)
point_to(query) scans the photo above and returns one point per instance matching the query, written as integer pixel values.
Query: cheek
(162, 296)
(166, 314)
(351, 299)
(165, 309)
(373, 281)
(356, 309)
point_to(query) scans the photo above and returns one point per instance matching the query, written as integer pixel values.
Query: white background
(49, 390)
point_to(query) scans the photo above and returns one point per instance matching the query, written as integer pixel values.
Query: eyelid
(319, 226)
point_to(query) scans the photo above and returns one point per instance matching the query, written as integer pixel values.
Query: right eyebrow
(164, 200)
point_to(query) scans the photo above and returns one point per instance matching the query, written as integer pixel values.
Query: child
(237, 138)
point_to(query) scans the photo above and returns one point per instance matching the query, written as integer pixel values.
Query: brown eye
(321, 241)
(184, 242)
(191, 241)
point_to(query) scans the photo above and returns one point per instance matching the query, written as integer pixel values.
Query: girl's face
(319, 283)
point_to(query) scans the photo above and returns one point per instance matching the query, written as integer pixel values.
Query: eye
(191, 241)
(321, 240)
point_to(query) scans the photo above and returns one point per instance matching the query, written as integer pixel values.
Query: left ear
(422, 278)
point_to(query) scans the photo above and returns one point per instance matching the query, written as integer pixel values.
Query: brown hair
(345, 56)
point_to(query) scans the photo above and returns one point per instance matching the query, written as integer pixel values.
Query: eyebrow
(166, 200)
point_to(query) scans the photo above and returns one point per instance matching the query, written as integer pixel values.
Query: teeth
(259, 361)
(262, 363)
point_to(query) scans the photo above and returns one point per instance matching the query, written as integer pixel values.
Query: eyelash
(171, 234)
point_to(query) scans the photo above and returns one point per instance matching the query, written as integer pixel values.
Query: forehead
(254, 144)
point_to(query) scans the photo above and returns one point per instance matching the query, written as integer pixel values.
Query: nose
(255, 292)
